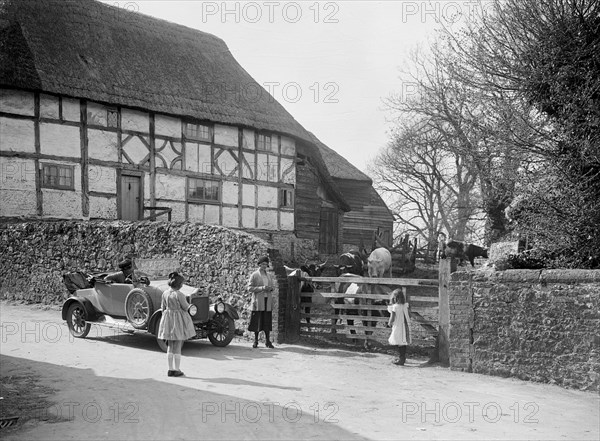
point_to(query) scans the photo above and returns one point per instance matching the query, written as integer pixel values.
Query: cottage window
(203, 190)
(286, 198)
(265, 142)
(58, 176)
(112, 118)
(197, 131)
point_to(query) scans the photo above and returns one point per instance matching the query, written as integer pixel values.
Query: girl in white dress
(176, 324)
(400, 323)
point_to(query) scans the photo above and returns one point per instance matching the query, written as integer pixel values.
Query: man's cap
(126, 264)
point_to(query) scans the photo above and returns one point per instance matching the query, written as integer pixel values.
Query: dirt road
(114, 386)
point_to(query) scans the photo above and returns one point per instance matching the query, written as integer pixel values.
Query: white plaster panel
(96, 114)
(61, 204)
(17, 101)
(248, 218)
(169, 187)
(226, 135)
(230, 217)
(136, 150)
(177, 210)
(228, 164)
(102, 179)
(167, 153)
(286, 219)
(18, 202)
(211, 214)
(191, 156)
(248, 139)
(135, 120)
(262, 167)
(103, 145)
(230, 192)
(17, 135)
(267, 196)
(167, 126)
(17, 174)
(248, 195)
(290, 176)
(197, 157)
(208, 214)
(103, 207)
(249, 170)
(267, 219)
(60, 140)
(288, 146)
(71, 109)
(196, 213)
(49, 106)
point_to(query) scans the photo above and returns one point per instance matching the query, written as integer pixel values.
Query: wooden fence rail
(364, 320)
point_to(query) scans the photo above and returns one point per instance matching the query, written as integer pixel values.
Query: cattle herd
(377, 264)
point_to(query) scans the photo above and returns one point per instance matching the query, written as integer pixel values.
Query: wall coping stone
(521, 276)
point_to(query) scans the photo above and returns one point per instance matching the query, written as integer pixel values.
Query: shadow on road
(87, 406)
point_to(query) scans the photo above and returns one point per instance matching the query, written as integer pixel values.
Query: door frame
(136, 174)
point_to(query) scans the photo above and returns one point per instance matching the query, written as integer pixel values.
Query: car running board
(107, 321)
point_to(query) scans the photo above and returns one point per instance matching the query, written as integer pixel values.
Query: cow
(306, 270)
(464, 251)
(379, 261)
(352, 262)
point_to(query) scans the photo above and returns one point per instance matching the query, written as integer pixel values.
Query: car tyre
(223, 330)
(138, 308)
(76, 315)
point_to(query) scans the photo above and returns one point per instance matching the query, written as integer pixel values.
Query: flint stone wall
(537, 325)
(35, 255)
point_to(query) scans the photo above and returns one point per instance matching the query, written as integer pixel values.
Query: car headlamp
(193, 309)
(220, 307)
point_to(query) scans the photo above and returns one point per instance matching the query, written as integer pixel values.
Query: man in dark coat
(126, 272)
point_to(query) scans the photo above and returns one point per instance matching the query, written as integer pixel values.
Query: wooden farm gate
(318, 315)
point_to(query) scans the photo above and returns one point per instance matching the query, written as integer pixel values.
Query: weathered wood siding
(368, 215)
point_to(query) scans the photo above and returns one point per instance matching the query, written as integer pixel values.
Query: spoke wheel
(222, 330)
(138, 308)
(76, 321)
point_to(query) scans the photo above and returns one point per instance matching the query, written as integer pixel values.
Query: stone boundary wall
(35, 255)
(537, 325)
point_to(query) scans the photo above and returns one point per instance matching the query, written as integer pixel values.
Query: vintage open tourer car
(136, 306)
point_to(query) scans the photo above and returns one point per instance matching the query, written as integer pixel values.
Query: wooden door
(328, 231)
(131, 197)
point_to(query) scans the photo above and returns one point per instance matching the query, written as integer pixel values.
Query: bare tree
(430, 188)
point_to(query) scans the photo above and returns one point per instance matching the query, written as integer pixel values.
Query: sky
(330, 64)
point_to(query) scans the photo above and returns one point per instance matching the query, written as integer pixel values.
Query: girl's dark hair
(397, 296)
(175, 280)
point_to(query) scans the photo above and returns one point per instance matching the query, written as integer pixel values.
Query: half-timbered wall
(101, 145)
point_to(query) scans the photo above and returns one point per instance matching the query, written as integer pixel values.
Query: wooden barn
(368, 213)
(111, 114)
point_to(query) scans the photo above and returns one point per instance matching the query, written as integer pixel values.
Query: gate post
(292, 311)
(446, 268)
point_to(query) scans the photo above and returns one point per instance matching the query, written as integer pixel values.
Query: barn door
(328, 231)
(131, 197)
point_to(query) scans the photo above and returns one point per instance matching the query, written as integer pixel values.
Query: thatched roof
(86, 49)
(338, 166)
